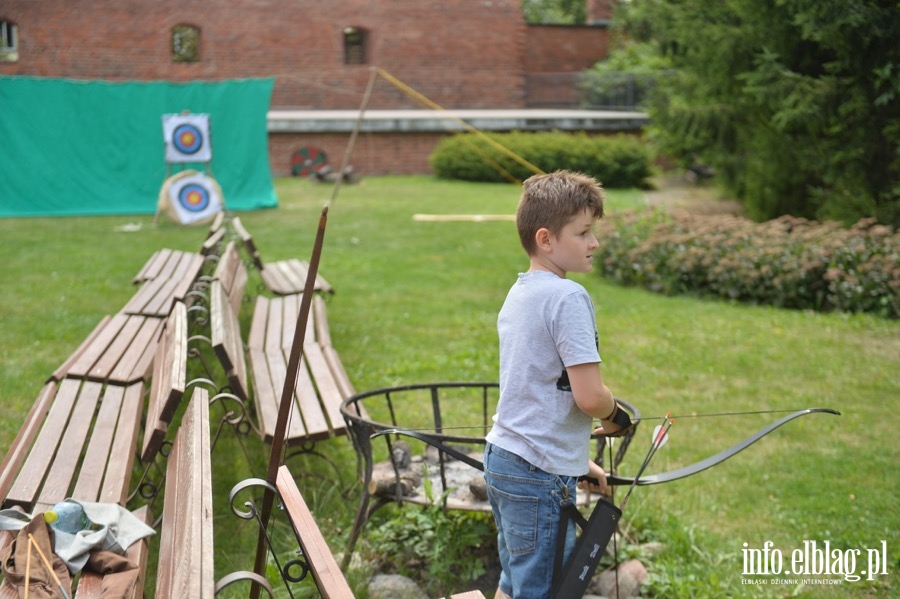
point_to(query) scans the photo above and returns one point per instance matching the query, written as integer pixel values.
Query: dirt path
(677, 192)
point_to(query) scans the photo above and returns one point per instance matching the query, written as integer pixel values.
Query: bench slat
(65, 463)
(168, 382)
(325, 570)
(87, 487)
(212, 241)
(257, 337)
(28, 482)
(21, 445)
(118, 471)
(137, 360)
(226, 341)
(166, 284)
(328, 391)
(119, 352)
(154, 265)
(270, 371)
(186, 542)
(63, 369)
(310, 409)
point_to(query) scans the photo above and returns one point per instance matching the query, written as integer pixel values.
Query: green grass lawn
(417, 302)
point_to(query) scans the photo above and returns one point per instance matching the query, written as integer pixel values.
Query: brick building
(459, 54)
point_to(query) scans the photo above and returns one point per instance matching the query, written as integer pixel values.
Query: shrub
(617, 161)
(787, 262)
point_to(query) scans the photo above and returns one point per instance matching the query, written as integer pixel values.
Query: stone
(632, 575)
(394, 586)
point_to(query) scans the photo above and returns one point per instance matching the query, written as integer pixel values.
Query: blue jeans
(527, 503)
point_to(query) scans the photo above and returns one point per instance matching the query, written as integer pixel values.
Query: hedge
(787, 262)
(617, 161)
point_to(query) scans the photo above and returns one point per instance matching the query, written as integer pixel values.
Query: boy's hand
(616, 425)
(594, 481)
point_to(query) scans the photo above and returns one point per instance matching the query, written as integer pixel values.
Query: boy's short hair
(551, 201)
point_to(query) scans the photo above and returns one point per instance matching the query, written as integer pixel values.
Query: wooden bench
(328, 577)
(185, 565)
(80, 437)
(215, 236)
(322, 383)
(168, 383)
(232, 275)
(284, 277)
(119, 350)
(165, 278)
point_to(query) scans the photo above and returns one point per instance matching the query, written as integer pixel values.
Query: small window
(354, 45)
(185, 43)
(9, 42)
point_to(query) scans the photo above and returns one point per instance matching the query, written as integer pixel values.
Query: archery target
(307, 161)
(190, 197)
(187, 138)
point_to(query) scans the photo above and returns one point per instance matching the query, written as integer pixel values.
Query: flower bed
(787, 262)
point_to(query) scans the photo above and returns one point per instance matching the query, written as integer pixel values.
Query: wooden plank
(144, 296)
(21, 445)
(288, 315)
(117, 347)
(25, 489)
(274, 326)
(137, 360)
(97, 455)
(327, 389)
(248, 242)
(188, 271)
(118, 472)
(339, 373)
(186, 541)
(276, 281)
(152, 267)
(217, 224)
(212, 242)
(324, 567)
(91, 354)
(65, 463)
(226, 340)
(315, 420)
(257, 336)
(63, 369)
(236, 295)
(168, 382)
(226, 269)
(267, 389)
(320, 318)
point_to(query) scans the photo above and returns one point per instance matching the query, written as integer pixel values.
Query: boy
(550, 383)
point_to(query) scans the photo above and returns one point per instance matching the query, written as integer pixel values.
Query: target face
(187, 138)
(194, 198)
(191, 197)
(306, 161)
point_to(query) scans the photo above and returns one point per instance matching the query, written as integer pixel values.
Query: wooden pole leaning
(276, 454)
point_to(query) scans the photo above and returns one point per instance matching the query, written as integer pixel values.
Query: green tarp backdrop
(96, 147)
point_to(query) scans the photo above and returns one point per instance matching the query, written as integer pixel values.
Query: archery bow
(615, 479)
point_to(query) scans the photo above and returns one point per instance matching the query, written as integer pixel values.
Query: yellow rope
(431, 104)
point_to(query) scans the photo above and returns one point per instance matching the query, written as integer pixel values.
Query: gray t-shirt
(546, 324)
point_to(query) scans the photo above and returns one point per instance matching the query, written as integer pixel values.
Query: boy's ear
(542, 238)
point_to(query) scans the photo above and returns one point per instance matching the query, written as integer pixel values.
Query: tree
(554, 12)
(795, 103)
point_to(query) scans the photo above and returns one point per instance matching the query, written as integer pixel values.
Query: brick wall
(373, 154)
(456, 52)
